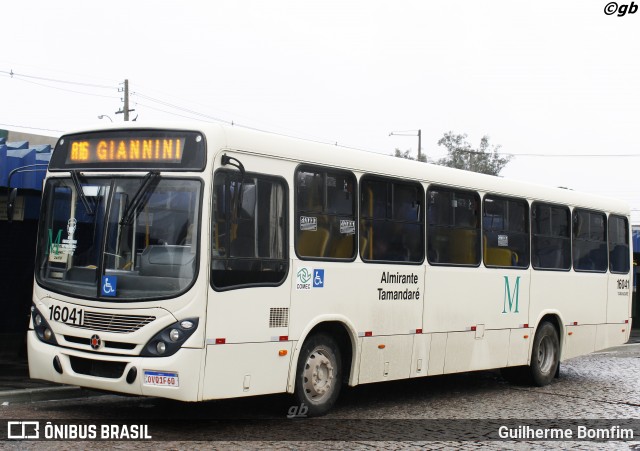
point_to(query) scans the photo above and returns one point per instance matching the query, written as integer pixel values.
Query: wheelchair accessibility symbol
(318, 278)
(109, 285)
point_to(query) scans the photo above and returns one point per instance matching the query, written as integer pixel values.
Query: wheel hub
(546, 355)
(318, 375)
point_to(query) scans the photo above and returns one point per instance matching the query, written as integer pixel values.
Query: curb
(44, 394)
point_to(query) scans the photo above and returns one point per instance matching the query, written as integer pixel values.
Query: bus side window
(505, 232)
(249, 231)
(618, 244)
(589, 241)
(550, 237)
(454, 227)
(391, 220)
(325, 213)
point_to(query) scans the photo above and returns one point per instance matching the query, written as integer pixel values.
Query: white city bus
(210, 262)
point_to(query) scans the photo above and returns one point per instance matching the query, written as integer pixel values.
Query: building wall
(17, 255)
(34, 140)
(18, 243)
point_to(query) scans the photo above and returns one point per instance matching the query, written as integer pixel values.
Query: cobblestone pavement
(604, 386)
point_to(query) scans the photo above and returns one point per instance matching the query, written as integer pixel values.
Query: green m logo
(510, 296)
(53, 247)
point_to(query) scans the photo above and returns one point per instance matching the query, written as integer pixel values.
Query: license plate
(161, 378)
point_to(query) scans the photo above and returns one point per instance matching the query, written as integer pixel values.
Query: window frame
(574, 239)
(628, 243)
(422, 220)
(285, 209)
(527, 224)
(570, 234)
(478, 199)
(304, 167)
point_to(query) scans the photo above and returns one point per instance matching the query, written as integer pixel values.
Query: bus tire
(318, 376)
(545, 355)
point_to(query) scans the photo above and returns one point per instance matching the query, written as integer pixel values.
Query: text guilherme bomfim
(408, 293)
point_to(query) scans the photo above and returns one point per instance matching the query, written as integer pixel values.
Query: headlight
(42, 328)
(170, 339)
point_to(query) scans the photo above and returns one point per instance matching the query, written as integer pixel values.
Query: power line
(584, 155)
(172, 113)
(217, 119)
(548, 155)
(33, 128)
(62, 89)
(12, 74)
(27, 78)
(186, 110)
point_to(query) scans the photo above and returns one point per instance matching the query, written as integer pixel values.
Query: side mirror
(11, 202)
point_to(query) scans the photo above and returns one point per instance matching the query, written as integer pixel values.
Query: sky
(555, 83)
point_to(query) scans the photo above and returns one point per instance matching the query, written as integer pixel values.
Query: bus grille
(107, 322)
(107, 344)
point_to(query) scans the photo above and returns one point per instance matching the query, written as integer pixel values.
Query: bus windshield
(119, 239)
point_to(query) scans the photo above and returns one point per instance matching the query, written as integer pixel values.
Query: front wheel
(545, 355)
(319, 375)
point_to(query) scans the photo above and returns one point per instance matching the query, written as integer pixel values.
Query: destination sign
(132, 150)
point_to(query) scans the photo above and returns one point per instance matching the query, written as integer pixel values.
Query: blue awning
(635, 239)
(18, 154)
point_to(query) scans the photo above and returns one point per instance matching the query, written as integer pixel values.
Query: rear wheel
(319, 375)
(545, 355)
(545, 360)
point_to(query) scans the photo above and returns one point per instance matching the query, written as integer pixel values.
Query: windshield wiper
(138, 197)
(80, 191)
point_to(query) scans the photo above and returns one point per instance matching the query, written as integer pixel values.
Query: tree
(407, 155)
(485, 159)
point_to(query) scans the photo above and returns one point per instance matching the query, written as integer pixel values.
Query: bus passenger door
(248, 351)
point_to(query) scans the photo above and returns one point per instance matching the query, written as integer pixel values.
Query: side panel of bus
(386, 325)
(477, 309)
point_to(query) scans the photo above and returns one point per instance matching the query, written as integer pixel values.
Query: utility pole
(126, 100)
(411, 133)
(126, 109)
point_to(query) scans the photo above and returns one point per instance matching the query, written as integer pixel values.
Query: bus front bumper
(174, 377)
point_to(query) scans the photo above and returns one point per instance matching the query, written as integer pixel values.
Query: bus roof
(236, 138)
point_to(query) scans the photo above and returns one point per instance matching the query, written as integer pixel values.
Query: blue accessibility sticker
(109, 285)
(318, 278)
